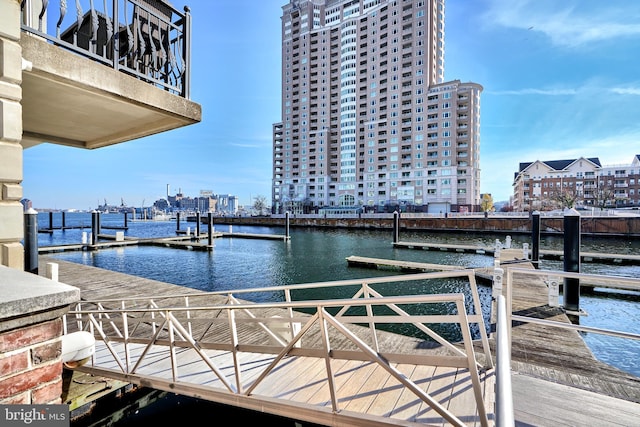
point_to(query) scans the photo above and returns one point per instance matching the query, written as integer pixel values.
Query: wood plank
(440, 387)
(369, 388)
(343, 372)
(387, 400)
(463, 402)
(407, 404)
(309, 384)
(319, 391)
(303, 375)
(349, 390)
(531, 394)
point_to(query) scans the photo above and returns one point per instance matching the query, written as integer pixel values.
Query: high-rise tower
(367, 119)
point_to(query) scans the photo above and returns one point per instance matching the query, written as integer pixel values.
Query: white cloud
(626, 90)
(532, 91)
(568, 23)
(619, 90)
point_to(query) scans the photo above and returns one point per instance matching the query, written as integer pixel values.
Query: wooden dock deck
(554, 373)
(549, 353)
(186, 242)
(603, 258)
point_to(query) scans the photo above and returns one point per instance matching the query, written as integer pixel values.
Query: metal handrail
(602, 281)
(364, 290)
(504, 392)
(149, 40)
(116, 326)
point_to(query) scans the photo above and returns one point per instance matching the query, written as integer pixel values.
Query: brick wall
(31, 364)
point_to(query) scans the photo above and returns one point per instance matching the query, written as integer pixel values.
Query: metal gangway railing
(553, 279)
(144, 38)
(131, 330)
(505, 319)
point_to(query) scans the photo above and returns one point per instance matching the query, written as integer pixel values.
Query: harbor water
(320, 255)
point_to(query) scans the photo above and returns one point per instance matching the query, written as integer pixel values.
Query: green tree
(487, 203)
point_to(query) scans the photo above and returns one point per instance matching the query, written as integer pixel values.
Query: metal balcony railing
(148, 39)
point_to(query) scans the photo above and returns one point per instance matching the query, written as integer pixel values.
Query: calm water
(314, 256)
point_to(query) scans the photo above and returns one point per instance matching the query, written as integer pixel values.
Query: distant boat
(157, 215)
(153, 215)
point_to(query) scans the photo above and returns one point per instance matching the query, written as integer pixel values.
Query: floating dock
(596, 257)
(186, 242)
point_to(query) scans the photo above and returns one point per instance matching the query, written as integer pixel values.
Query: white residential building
(367, 118)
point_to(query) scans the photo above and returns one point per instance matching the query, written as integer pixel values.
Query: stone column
(11, 218)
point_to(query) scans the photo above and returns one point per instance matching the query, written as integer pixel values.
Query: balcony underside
(74, 101)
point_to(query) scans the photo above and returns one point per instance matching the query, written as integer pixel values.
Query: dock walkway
(603, 258)
(107, 241)
(550, 353)
(556, 380)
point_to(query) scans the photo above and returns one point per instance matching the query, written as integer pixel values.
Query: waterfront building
(367, 117)
(206, 202)
(581, 182)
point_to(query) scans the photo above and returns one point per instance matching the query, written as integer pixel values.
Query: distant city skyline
(557, 76)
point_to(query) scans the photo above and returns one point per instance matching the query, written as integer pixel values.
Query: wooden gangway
(324, 361)
(556, 380)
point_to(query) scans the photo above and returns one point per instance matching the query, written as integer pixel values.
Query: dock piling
(535, 238)
(210, 229)
(396, 227)
(31, 241)
(95, 227)
(286, 225)
(571, 290)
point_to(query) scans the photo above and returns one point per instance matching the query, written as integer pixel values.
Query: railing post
(115, 40)
(186, 40)
(504, 387)
(571, 291)
(31, 241)
(498, 274)
(535, 238)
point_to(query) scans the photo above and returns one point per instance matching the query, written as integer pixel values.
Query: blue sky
(561, 80)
